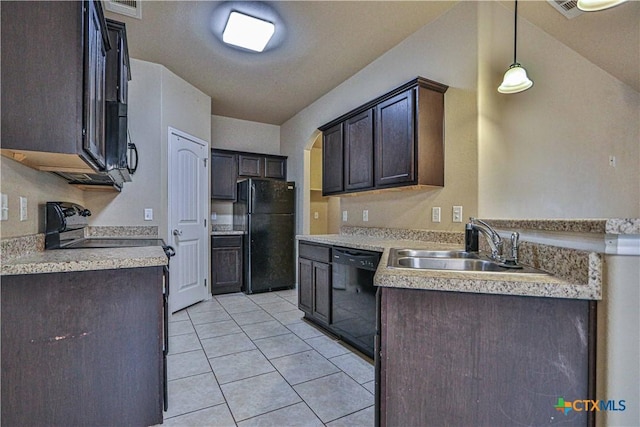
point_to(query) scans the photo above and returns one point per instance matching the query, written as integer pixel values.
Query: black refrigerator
(265, 212)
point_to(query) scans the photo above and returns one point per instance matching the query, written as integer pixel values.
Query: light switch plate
(457, 214)
(4, 207)
(435, 214)
(365, 215)
(316, 215)
(24, 213)
(148, 214)
(344, 216)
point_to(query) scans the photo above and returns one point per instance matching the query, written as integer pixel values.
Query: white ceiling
(326, 42)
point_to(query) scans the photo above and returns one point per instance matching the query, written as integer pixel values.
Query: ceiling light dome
(247, 31)
(515, 80)
(248, 26)
(596, 5)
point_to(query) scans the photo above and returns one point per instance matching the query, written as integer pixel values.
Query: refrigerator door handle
(252, 195)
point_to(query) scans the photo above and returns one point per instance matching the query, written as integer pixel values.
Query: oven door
(353, 296)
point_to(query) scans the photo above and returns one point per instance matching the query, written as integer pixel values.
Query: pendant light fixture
(596, 5)
(515, 79)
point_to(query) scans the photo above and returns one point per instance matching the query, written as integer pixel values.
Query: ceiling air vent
(568, 8)
(131, 8)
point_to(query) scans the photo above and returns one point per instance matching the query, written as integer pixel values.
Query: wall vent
(131, 8)
(568, 8)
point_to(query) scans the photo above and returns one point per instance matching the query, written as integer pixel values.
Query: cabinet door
(358, 151)
(395, 140)
(250, 166)
(95, 66)
(305, 285)
(275, 168)
(497, 348)
(224, 174)
(226, 270)
(322, 292)
(332, 161)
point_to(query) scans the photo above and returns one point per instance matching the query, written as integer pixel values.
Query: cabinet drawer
(226, 241)
(315, 252)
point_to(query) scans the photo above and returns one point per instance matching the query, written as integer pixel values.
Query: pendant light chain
(515, 33)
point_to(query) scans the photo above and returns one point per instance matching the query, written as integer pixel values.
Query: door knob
(177, 232)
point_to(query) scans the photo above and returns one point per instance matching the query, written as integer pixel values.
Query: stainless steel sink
(433, 254)
(452, 261)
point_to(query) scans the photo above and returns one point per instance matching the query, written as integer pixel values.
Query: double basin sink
(455, 260)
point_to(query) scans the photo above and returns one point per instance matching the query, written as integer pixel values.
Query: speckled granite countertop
(65, 260)
(26, 255)
(227, 233)
(552, 286)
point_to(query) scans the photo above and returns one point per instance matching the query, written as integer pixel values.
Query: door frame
(206, 206)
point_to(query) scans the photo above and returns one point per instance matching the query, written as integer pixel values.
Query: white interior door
(188, 178)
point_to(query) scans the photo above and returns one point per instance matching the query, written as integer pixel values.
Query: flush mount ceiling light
(247, 32)
(515, 79)
(596, 5)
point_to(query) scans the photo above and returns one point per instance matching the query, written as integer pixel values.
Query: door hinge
(205, 161)
(205, 283)
(205, 223)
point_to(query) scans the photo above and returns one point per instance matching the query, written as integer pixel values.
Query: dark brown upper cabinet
(53, 84)
(332, 160)
(224, 174)
(250, 166)
(275, 168)
(358, 151)
(230, 166)
(396, 140)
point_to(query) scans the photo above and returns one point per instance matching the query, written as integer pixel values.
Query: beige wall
(243, 135)
(445, 51)
(17, 180)
(158, 99)
(544, 153)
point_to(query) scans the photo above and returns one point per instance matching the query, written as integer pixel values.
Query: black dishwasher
(353, 296)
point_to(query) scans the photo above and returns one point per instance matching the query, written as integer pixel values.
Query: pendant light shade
(515, 79)
(596, 5)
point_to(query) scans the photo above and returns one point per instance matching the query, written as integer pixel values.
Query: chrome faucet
(493, 238)
(515, 237)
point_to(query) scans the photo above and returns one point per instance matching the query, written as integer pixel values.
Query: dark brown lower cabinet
(462, 359)
(82, 348)
(226, 264)
(314, 282)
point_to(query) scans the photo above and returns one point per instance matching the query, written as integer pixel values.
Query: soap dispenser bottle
(470, 238)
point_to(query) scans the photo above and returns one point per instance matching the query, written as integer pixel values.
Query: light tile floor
(250, 360)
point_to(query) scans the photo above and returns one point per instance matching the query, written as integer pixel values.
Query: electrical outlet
(4, 208)
(365, 215)
(214, 216)
(457, 214)
(344, 216)
(148, 214)
(435, 214)
(316, 215)
(612, 161)
(23, 209)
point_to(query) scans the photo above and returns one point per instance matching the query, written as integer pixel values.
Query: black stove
(64, 229)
